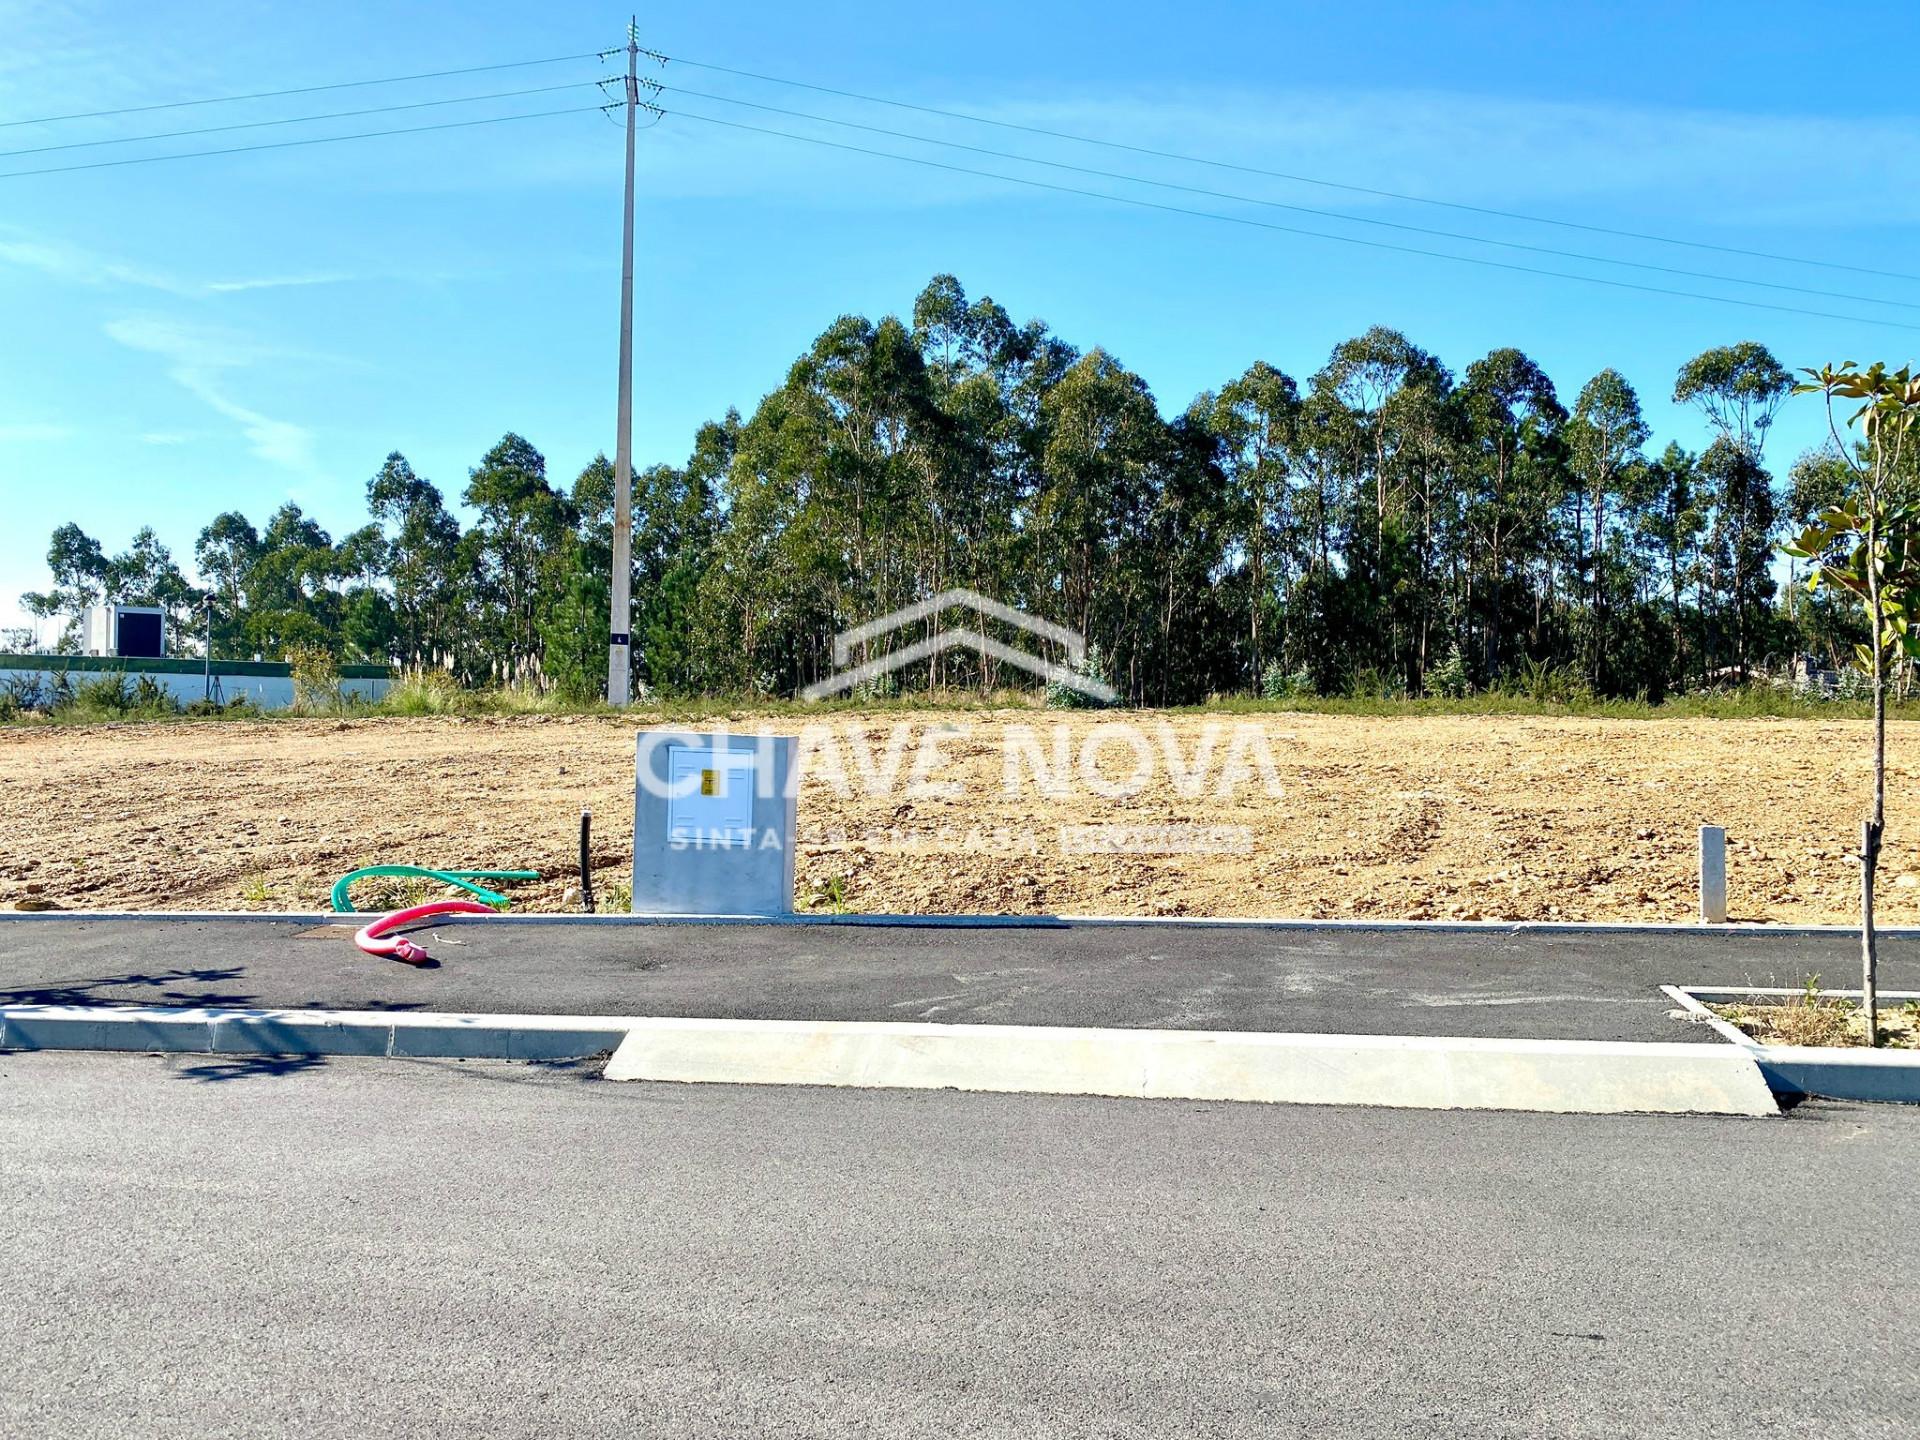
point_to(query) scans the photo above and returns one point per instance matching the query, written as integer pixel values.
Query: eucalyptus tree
(1255, 422)
(1664, 497)
(1868, 546)
(675, 524)
(224, 554)
(1514, 418)
(1739, 388)
(516, 548)
(1369, 375)
(1740, 537)
(291, 597)
(1604, 439)
(82, 576)
(985, 455)
(1430, 455)
(422, 563)
(753, 587)
(1346, 524)
(1824, 621)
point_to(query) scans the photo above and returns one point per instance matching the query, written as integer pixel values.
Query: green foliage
(574, 635)
(1370, 682)
(114, 695)
(238, 708)
(1872, 552)
(426, 692)
(1451, 679)
(1060, 695)
(1280, 536)
(831, 894)
(23, 692)
(1867, 545)
(316, 679)
(1546, 683)
(1279, 683)
(1738, 387)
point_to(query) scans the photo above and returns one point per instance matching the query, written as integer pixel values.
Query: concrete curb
(1886, 1076)
(308, 1032)
(1891, 1077)
(990, 922)
(1563, 1076)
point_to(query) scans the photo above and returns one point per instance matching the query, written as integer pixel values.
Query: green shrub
(316, 679)
(885, 686)
(237, 708)
(111, 693)
(1450, 678)
(426, 692)
(1062, 696)
(1547, 684)
(1279, 683)
(150, 697)
(115, 695)
(1372, 683)
(24, 691)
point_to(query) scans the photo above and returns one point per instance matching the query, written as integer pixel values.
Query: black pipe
(586, 860)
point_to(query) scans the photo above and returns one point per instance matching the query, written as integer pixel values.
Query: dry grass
(1814, 1019)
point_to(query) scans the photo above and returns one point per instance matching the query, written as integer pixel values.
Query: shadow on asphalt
(247, 1067)
(170, 987)
(87, 992)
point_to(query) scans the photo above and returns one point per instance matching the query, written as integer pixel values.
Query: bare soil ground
(1479, 817)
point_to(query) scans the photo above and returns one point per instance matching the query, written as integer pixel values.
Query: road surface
(1494, 983)
(202, 1245)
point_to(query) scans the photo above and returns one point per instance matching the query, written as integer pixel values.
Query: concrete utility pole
(620, 641)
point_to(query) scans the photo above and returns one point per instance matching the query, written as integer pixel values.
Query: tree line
(1383, 525)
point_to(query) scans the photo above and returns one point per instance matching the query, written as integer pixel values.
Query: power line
(1341, 215)
(1297, 179)
(295, 119)
(1293, 229)
(300, 90)
(290, 144)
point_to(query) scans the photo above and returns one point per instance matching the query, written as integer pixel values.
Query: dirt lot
(1418, 818)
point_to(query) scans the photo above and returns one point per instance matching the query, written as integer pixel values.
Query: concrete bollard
(1713, 875)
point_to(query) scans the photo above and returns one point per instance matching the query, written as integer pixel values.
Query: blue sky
(180, 339)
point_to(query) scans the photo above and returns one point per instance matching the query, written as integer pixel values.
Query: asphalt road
(223, 1245)
(1490, 983)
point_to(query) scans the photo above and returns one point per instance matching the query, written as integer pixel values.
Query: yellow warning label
(709, 782)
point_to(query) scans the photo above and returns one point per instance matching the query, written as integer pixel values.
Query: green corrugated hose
(462, 878)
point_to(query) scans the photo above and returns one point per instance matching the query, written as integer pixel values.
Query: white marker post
(1713, 875)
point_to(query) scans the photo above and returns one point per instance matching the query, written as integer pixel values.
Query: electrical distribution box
(713, 824)
(711, 796)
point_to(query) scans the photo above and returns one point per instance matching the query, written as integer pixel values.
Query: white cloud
(273, 282)
(279, 442)
(81, 266)
(199, 360)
